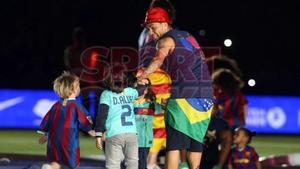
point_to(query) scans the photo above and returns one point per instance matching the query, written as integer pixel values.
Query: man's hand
(140, 73)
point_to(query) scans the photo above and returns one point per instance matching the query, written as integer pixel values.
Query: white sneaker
(154, 166)
(46, 166)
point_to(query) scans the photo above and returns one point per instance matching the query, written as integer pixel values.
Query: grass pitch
(26, 142)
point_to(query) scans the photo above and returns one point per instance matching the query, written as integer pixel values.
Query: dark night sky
(264, 34)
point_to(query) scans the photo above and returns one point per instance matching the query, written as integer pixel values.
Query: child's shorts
(179, 141)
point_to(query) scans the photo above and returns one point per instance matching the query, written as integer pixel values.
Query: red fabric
(65, 133)
(161, 89)
(53, 130)
(159, 133)
(231, 106)
(156, 14)
(145, 111)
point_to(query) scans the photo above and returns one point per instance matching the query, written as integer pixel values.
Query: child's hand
(99, 143)
(89, 118)
(43, 139)
(92, 133)
(142, 81)
(103, 138)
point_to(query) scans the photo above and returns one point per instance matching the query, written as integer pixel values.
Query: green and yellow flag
(190, 116)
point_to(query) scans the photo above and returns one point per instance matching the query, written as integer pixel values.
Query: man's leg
(172, 159)
(194, 159)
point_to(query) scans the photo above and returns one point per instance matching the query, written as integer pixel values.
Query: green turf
(276, 145)
(26, 142)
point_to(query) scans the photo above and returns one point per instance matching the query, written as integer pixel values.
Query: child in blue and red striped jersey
(61, 124)
(230, 102)
(243, 156)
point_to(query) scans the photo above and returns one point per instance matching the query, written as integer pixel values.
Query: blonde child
(61, 124)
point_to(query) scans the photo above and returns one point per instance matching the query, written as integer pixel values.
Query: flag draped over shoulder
(190, 116)
(161, 86)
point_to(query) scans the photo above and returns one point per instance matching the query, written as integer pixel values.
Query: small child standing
(116, 118)
(242, 155)
(61, 124)
(145, 108)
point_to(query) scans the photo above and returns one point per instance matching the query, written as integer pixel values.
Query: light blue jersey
(120, 117)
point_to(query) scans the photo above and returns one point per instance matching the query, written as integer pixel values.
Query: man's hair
(166, 5)
(64, 85)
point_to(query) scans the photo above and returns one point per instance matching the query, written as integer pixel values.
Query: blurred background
(261, 36)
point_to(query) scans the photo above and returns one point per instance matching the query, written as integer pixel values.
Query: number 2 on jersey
(127, 112)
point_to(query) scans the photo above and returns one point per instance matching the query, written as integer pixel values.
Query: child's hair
(247, 132)
(64, 84)
(226, 80)
(116, 81)
(132, 82)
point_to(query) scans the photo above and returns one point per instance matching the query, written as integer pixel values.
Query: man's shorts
(178, 141)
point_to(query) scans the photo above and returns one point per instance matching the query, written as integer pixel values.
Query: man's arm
(165, 47)
(226, 141)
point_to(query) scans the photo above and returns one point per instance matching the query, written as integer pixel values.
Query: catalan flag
(190, 116)
(161, 87)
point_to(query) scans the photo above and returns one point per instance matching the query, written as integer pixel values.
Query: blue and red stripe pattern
(62, 124)
(243, 159)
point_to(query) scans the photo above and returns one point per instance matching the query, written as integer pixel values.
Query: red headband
(156, 14)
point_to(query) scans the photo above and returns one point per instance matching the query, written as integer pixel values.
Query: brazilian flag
(190, 116)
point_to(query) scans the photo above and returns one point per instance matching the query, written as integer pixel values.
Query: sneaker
(184, 165)
(46, 166)
(154, 166)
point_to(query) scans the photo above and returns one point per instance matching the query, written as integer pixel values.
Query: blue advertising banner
(274, 114)
(24, 108)
(266, 114)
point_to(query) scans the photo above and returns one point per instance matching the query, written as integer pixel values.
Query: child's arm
(101, 116)
(257, 163)
(256, 158)
(43, 139)
(84, 118)
(44, 126)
